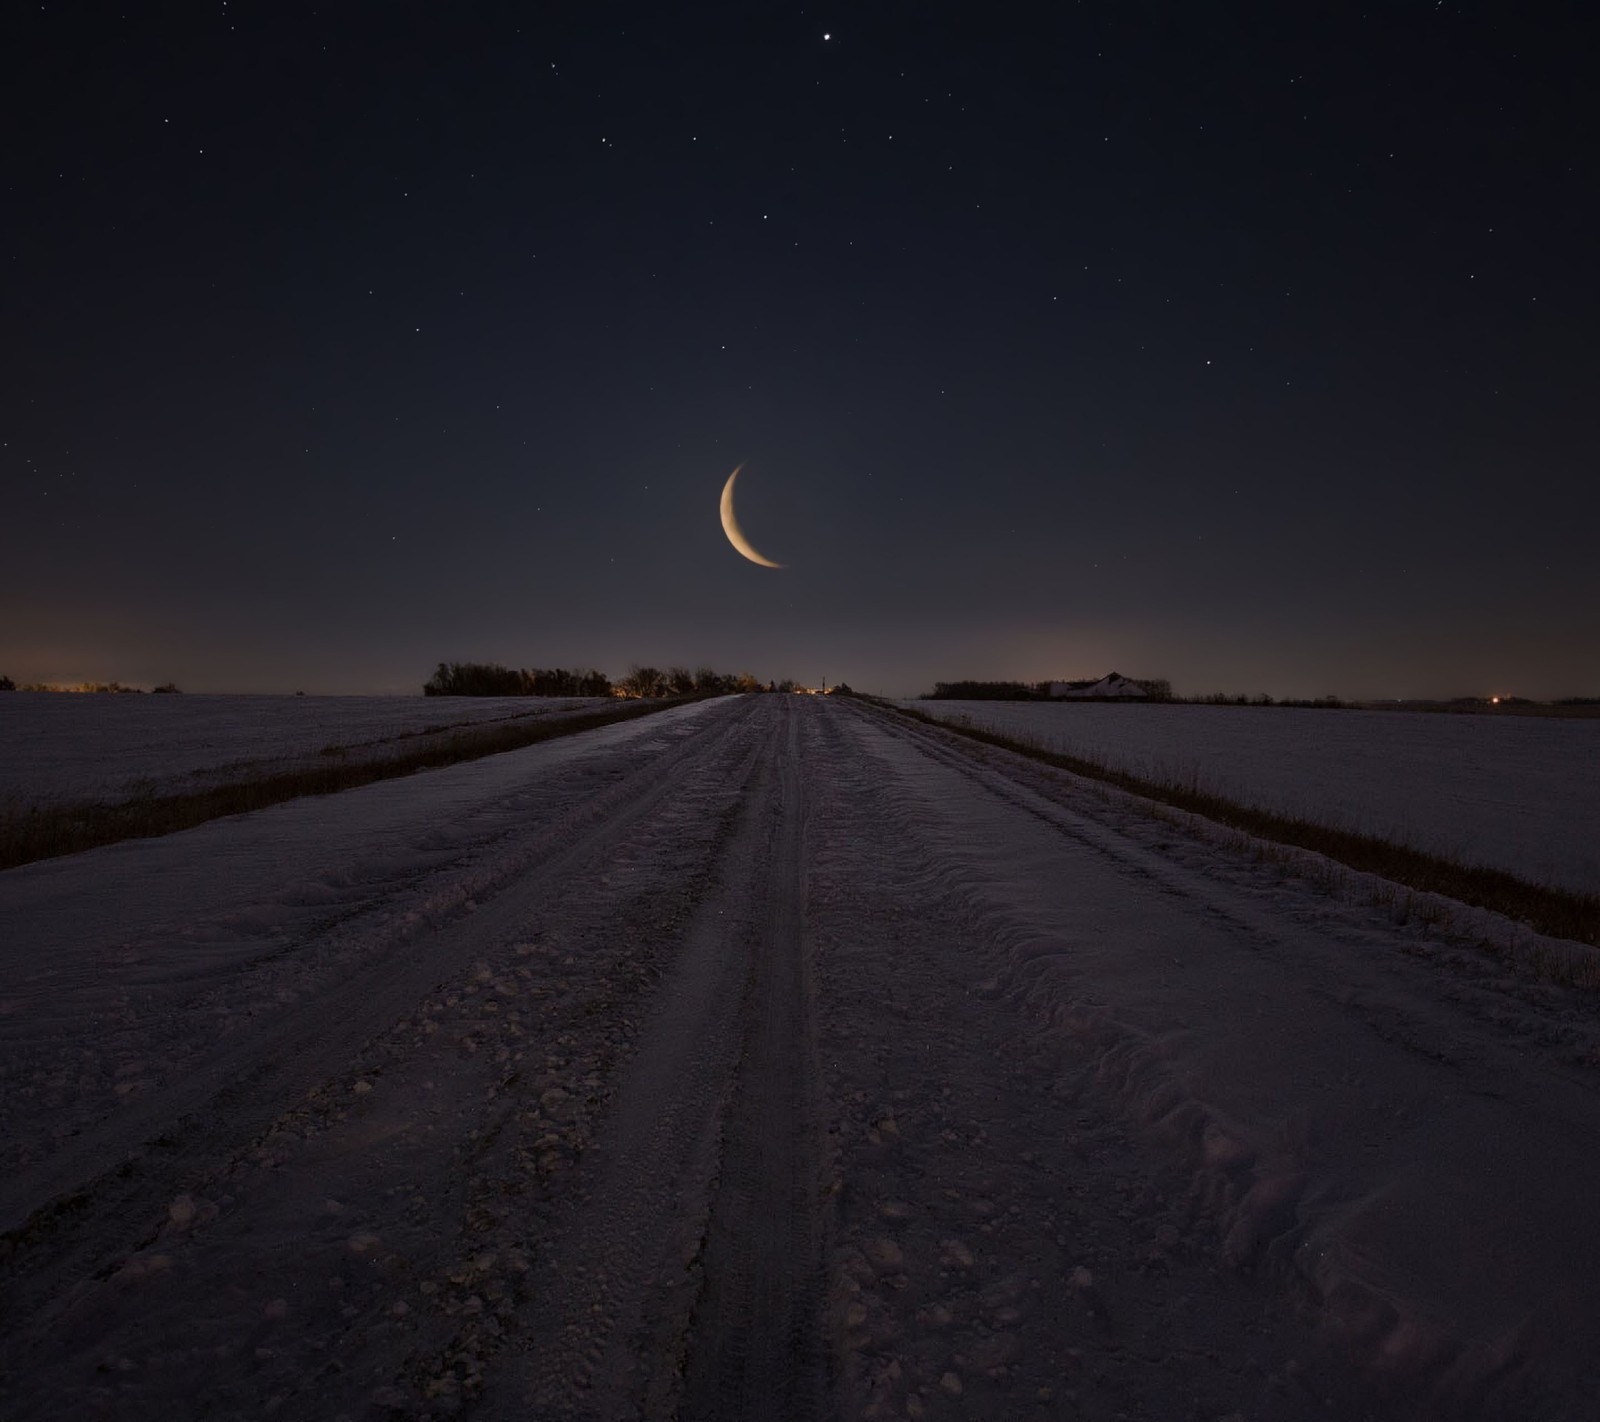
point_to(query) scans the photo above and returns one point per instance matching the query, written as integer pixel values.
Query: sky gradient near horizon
(1246, 345)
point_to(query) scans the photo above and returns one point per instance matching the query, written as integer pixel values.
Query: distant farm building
(1112, 687)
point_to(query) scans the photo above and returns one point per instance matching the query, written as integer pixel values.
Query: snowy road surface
(772, 1057)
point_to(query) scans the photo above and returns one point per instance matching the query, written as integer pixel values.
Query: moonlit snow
(1520, 793)
(59, 748)
(774, 1056)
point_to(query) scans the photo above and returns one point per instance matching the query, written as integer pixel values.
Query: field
(60, 748)
(1515, 793)
(767, 1056)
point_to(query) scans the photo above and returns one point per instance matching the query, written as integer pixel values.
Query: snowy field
(1514, 792)
(57, 748)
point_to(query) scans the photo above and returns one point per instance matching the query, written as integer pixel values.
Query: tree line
(986, 691)
(111, 687)
(1154, 689)
(492, 679)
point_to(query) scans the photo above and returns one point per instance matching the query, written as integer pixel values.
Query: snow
(1109, 686)
(127, 932)
(773, 1056)
(1516, 793)
(57, 747)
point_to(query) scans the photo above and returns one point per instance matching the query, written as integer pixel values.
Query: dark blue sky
(1247, 345)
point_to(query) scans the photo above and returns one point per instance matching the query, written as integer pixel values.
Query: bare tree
(644, 681)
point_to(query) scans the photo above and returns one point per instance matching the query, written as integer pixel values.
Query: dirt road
(772, 1058)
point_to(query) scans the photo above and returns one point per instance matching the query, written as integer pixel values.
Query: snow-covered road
(771, 1057)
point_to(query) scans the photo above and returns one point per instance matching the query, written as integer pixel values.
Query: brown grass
(1559, 913)
(45, 833)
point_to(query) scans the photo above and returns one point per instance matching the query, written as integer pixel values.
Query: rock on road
(772, 1057)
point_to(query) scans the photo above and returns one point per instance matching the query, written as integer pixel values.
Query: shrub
(984, 691)
(473, 679)
(645, 681)
(492, 679)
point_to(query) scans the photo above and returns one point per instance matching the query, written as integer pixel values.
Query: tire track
(757, 1347)
(684, 1277)
(615, 1280)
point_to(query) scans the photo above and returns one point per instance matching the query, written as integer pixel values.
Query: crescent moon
(730, 526)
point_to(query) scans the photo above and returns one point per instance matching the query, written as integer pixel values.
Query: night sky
(1252, 346)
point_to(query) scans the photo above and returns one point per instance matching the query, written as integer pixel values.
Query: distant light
(1494, 700)
(826, 35)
